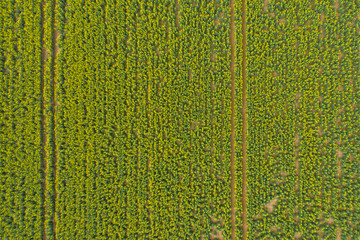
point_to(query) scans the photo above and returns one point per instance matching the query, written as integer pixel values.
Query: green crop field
(182, 119)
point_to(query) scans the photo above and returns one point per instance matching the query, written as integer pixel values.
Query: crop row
(20, 120)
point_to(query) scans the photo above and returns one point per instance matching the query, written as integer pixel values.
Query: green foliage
(20, 118)
(116, 119)
(301, 126)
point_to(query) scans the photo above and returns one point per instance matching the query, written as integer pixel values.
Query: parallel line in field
(244, 187)
(43, 124)
(232, 166)
(55, 50)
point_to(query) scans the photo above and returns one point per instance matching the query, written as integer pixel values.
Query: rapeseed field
(182, 119)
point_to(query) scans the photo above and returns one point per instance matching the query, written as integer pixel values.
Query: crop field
(181, 119)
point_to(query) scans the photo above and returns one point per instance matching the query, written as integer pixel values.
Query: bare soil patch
(322, 17)
(298, 236)
(266, 5)
(338, 234)
(282, 20)
(270, 207)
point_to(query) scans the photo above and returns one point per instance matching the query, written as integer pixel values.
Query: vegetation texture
(303, 105)
(183, 119)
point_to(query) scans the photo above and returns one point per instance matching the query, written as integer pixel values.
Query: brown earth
(270, 207)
